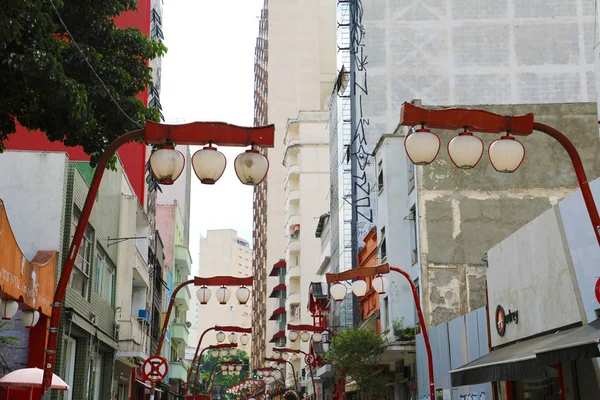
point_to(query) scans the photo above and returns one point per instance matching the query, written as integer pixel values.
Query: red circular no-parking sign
(597, 291)
(310, 359)
(155, 369)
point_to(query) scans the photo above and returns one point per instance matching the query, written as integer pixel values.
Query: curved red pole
(584, 185)
(185, 389)
(198, 367)
(424, 328)
(293, 373)
(211, 377)
(61, 288)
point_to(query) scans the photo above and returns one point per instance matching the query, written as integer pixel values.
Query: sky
(208, 75)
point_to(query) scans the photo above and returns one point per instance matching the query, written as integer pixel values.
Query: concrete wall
(464, 213)
(33, 191)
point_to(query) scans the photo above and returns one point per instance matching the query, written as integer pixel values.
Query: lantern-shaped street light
(285, 356)
(214, 353)
(203, 294)
(305, 336)
(167, 164)
(30, 318)
(233, 338)
(223, 294)
(233, 352)
(224, 353)
(422, 146)
(359, 287)
(465, 150)
(244, 339)
(337, 291)
(293, 336)
(209, 164)
(223, 367)
(276, 354)
(506, 154)
(294, 357)
(242, 294)
(317, 337)
(8, 309)
(220, 337)
(251, 167)
(379, 284)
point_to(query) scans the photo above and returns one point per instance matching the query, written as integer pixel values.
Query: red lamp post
(272, 359)
(220, 329)
(305, 335)
(167, 166)
(215, 347)
(294, 351)
(338, 292)
(506, 154)
(228, 364)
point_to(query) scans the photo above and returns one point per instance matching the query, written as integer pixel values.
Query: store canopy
(581, 344)
(278, 335)
(514, 362)
(275, 271)
(277, 289)
(277, 312)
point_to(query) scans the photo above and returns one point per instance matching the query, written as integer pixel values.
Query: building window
(104, 275)
(383, 246)
(385, 325)
(81, 273)
(413, 235)
(380, 177)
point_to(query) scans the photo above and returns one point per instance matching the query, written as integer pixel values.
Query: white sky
(208, 75)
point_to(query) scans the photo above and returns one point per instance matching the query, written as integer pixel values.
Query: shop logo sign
(502, 319)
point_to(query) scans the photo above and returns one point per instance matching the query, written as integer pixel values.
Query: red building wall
(368, 257)
(132, 155)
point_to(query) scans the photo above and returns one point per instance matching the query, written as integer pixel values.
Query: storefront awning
(278, 335)
(582, 343)
(275, 271)
(277, 289)
(276, 313)
(510, 363)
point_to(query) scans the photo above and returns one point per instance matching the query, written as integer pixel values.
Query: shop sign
(502, 319)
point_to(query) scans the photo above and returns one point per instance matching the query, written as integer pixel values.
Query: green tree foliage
(46, 83)
(224, 381)
(357, 353)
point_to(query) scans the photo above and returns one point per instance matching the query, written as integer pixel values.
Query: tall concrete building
(223, 253)
(294, 71)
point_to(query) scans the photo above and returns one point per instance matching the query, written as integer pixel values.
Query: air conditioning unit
(294, 235)
(143, 316)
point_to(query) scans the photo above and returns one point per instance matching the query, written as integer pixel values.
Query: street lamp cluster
(233, 338)
(8, 309)
(167, 164)
(465, 150)
(223, 294)
(338, 290)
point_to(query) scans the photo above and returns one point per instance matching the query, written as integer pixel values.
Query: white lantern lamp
(506, 154)
(244, 339)
(233, 351)
(337, 291)
(276, 354)
(238, 367)
(251, 167)
(285, 356)
(422, 146)
(379, 284)
(236, 372)
(223, 295)
(220, 337)
(8, 309)
(281, 366)
(294, 357)
(209, 164)
(359, 287)
(167, 164)
(317, 337)
(232, 338)
(224, 353)
(30, 318)
(231, 367)
(305, 336)
(203, 294)
(223, 367)
(293, 336)
(465, 150)
(242, 294)
(214, 353)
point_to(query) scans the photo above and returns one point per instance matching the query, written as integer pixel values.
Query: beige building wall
(224, 253)
(302, 69)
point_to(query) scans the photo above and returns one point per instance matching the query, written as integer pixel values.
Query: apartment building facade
(299, 51)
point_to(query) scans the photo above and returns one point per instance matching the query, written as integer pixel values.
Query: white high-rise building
(223, 253)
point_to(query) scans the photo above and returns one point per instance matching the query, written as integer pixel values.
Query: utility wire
(137, 123)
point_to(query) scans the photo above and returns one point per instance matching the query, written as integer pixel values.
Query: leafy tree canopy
(47, 84)
(357, 352)
(208, 362)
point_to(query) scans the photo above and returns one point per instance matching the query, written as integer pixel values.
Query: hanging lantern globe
(224, 353)
(233, 351)
(422, 146)
(214, 353)
(230, 367)
(337, 291)
(30, 318)
(293, 336)
(506, 154)
(281, 366)
(465, 150)
(359, 287)
(244, 339)
(317, 337)
(220, 337)
(203, 294)
(242, 294)
(209, 164)
(294, 357)
(285, 356)
(8, 309)
(238, 367)
(232, 338)
(167, 164)
(223, 367)
(305, 336)
(236, 372)
(379, 284)
(223, 295)
(251, 167)
(276, 354)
